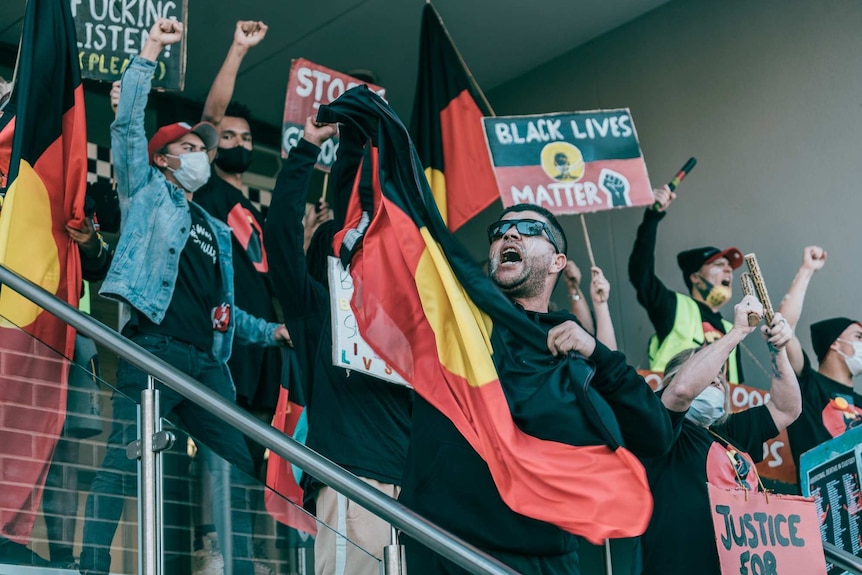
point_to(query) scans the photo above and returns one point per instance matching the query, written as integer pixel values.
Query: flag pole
(325, 185)
(587, 241)
(461, 60)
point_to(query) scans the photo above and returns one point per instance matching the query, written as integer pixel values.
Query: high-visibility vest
(687, 333)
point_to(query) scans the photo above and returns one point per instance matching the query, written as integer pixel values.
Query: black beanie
(824, 333)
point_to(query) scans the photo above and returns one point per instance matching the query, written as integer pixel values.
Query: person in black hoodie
(358, 421)
(448, 482)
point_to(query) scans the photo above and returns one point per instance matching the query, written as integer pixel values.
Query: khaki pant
(366, 533)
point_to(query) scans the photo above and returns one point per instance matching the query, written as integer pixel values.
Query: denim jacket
(156, 223)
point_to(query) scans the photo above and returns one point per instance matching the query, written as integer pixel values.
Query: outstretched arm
(128, 139)
(701, 369)
(785, 401)
(658, 300)
(248, 34)
(600, 290)
(577, 302)
(813, 260)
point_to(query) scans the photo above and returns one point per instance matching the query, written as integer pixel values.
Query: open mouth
(510, 255)
(726, 282)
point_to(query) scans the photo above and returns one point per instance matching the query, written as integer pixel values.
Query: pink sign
(309, 87)
(764, 534)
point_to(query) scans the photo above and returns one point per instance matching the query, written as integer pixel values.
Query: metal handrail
(842, 559)
(415, 526)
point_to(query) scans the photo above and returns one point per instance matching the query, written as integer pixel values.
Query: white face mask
(194, 170)
(707, 407)
(854, 362)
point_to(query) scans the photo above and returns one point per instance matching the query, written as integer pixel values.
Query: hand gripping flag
(551, 441)
(447, 127)
(43, 149)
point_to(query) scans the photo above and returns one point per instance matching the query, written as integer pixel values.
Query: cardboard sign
(830, 473)
(311, 86)
(777, 463)
(110, 33)
(569, 163)
(758, 534)
(349, 350)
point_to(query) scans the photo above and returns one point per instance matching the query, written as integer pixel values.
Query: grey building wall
(768, 96)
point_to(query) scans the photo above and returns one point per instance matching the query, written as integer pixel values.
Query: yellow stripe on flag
(27, 245)
(437, 181)
(462, 330)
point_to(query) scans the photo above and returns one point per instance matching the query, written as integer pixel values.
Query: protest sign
(777, 463)
(569, 163)
(110, 32)
(349, 350)
(830, 473)
(309, 87)
(759, 534)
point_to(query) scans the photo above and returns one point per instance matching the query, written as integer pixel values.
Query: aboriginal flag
(447, 127)
(43, 149)
(550, 440)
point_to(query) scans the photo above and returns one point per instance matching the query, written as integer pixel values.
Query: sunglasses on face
(524, 227)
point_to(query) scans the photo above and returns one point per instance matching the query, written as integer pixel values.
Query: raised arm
(785, 401)
(299, 293)
(600, 291)
(577, 302)
(701, 369)
(128, 139)
(247, 34)
(813, 260)
(658, 300)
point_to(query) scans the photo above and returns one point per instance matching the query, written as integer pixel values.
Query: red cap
(173, 132)
(733, 256)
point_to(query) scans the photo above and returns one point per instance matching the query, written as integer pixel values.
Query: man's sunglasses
(524, 227)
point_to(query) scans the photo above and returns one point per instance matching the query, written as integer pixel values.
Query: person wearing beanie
(830, 406)
(173, 269)
(683, 321)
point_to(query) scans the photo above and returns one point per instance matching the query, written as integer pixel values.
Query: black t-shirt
(829, 408)
(197, 291)
(655, 297)
(255, 369)
(680, 539)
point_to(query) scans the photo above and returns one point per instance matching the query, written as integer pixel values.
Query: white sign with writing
(349, 350)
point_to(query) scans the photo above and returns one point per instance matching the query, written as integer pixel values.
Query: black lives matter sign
(110, 32)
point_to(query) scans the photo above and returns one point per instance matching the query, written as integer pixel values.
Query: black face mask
(234, 160)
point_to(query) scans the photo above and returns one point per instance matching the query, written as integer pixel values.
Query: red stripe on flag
(283, 499)
(470, 183)
(580, 486)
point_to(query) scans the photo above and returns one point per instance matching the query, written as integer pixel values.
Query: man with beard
(683, 321)
(448, 482)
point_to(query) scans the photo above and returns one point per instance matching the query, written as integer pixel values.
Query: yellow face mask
(714, 295)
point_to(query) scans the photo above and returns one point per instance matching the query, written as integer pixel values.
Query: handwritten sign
(349, 350)
(309, 87)
(777, 463)
(111, 32)
(830, 473)
(569, 163)
(759, 534)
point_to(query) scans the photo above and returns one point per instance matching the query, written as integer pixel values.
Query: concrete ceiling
(499, 39)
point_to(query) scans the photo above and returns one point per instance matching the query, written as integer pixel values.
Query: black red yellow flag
(447, 127)
(550, 440)
(43, 152)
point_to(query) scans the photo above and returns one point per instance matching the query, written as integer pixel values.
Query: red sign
(569, 163)
(311, 86)
(777, 463)
(757, 533)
